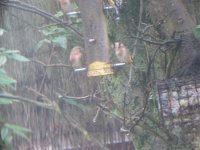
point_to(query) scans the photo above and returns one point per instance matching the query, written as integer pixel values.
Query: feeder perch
(179, 101)
(99, 68)
(92, 40)
(108, 7)
(73, 13)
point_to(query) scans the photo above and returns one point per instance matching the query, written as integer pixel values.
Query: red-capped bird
(76, 57)
(122, 53)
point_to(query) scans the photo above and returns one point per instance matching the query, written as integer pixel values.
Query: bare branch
(45, 98)
(50, 65)
(96, 115)
(30, 101)
(77, 98)
(161, 43)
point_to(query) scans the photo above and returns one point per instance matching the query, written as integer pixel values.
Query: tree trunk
(173, 20)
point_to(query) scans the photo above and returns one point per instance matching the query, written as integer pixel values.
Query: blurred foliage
(8, 130)
(59, 36)
(197, 32)
(150, 62)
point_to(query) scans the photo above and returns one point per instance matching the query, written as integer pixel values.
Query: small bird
(76, 57)
(66, 5)
(122, 53)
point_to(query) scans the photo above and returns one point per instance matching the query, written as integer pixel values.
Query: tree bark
(171, 17)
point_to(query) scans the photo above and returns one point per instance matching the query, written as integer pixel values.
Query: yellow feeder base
(99, 68)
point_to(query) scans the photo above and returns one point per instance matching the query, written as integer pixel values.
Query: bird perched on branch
(122, 53)
(66, 5)
(76, 57)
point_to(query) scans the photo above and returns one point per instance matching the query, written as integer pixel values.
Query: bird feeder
(179, 101)
(96, 40)
(99, 68)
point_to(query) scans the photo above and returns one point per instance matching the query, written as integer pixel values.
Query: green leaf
(5, 79)
(49, 31)
(3, 60)
(60, 41)
(11, 51)
(41, 43)
(18, 130)
(75, 103)
(198, 27)
(1, 31)
(8, 140)
(59, 14)
(53, 30)
(4, 133)
(18, 57)
(197, 32)
(5, 101)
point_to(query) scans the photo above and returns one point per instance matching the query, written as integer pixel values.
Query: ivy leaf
(18, 57)
(60, 41)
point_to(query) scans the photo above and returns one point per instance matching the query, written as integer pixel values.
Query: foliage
(150, 64)
(197, 32)
(6, 129)
(56, 35)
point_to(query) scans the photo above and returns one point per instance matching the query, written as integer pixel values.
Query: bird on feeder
(66, 5)
(76, 57)
(122, 53)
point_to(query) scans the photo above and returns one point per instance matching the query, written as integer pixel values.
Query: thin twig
(142, 113)
(96, 115)
(161, 43)
(30, 101)
(77, 98)
(45, 98)
(39, 27)
(50, 65)
(107, 111)
(46, 69)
